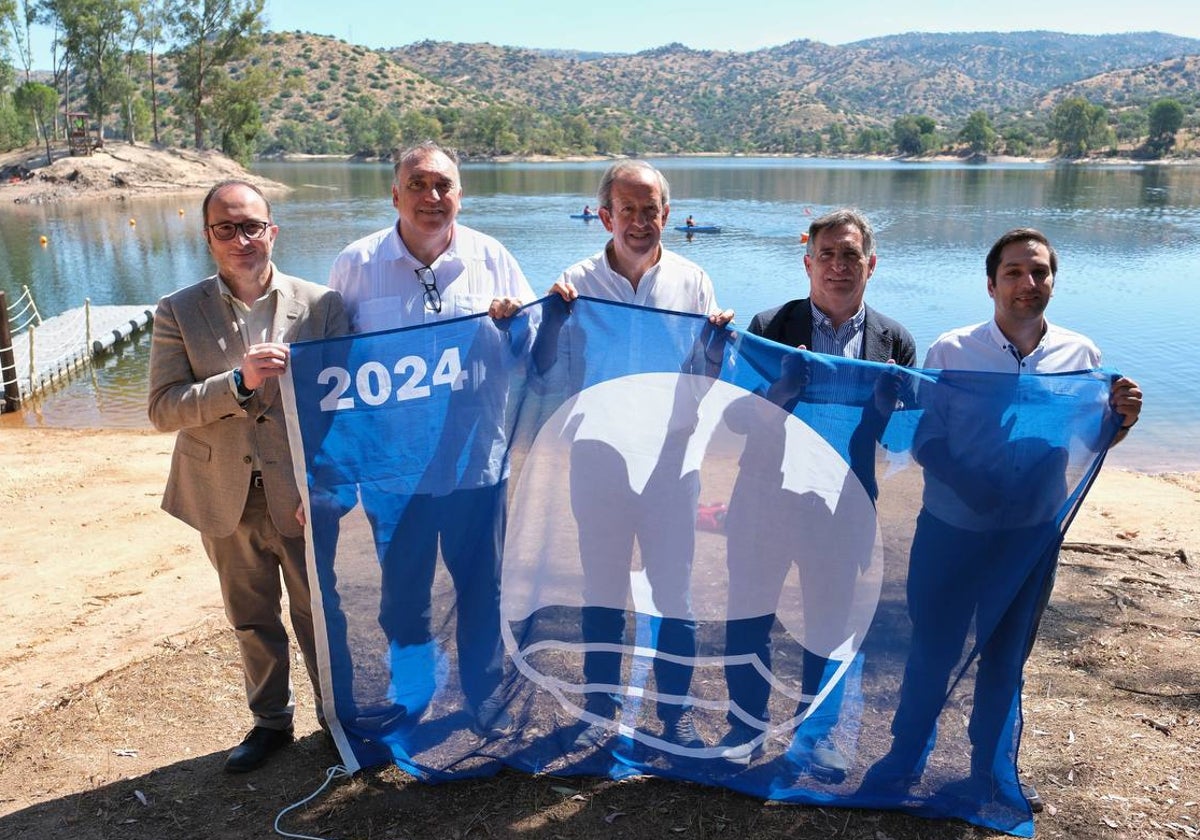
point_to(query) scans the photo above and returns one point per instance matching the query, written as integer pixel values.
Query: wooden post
(8, 360)
(32, 362)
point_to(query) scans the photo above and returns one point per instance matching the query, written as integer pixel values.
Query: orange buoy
(803, 238)
(44, 241)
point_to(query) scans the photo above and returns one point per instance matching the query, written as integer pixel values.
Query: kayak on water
(699, 228)
(588, 216)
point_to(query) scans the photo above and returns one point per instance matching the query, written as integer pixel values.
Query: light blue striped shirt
(845, 341)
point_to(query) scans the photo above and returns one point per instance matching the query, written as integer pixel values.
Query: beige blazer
(194, 348)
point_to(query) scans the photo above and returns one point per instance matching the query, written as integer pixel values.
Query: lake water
(1128, 239)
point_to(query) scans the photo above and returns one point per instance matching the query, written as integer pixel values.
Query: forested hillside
(905, 94)
(1040, 93)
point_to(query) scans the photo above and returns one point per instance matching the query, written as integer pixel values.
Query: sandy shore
(96, 575)
(120, 686)
(118, 172)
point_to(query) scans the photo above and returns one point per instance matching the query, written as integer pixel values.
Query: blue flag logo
(603, 539)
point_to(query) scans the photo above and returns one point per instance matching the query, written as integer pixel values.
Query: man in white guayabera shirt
(635, 268)
(426, 268)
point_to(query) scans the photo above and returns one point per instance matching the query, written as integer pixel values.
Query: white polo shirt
(674, 283)
(641, 429)
(984, 347)
(978, 436)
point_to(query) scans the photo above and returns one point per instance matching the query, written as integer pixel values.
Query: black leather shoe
(256, 748)
(1032, 797)
(491, 719)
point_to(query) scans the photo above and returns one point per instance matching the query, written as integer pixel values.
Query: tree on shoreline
(40, 102)
(152, 22)
(915, 135)
(1165, 118)
(1078, 126)
(92, 36)
(978, 133)
(211, 34)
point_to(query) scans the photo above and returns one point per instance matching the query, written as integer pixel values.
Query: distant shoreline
(598, 158)
(123, 171)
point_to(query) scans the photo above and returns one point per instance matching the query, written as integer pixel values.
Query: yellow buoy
(180, 211)
(132, 222)
(43, 240)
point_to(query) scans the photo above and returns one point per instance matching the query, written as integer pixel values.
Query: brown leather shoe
(256, 748)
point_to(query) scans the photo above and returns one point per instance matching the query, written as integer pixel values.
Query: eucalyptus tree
(358, 121)
(209, 34)
(41, 103)
(12, 29)
(152, 23)
(12, 130)
(838, 137)
(92, 34)
(236, 114)
(18, 17)
(387, 131)
(415, 126)
(8, 16)
(8, 117)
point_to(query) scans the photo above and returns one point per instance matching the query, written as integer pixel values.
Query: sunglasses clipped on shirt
(428, 281)
(251, 229)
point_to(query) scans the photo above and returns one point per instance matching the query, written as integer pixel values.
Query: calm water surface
(1128, 241)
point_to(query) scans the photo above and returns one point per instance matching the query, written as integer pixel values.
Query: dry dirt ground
(117, 172)
(120, 687)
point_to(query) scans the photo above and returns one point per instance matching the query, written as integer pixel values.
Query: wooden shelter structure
(78, 140)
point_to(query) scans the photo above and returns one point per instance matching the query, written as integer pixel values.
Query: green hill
(327, 96)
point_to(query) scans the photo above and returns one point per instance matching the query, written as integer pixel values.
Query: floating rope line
(46, 351)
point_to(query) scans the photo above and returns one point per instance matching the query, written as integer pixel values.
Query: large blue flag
(609, 540)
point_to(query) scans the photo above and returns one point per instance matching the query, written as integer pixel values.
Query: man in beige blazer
(218, 350)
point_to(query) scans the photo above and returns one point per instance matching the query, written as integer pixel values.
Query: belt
(256, 479)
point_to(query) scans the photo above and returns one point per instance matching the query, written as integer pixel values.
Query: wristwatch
(240, 385)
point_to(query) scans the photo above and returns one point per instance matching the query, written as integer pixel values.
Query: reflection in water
(1128, 238)
(109, 395)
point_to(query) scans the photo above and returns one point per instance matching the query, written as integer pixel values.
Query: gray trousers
(249, 564)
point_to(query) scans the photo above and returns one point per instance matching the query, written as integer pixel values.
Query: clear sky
(633, 25)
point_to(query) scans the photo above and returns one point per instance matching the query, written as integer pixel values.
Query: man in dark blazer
(840, 260)
(832, 320)
(218, 350)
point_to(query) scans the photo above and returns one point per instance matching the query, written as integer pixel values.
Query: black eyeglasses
(250, 229)
(428, 281)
